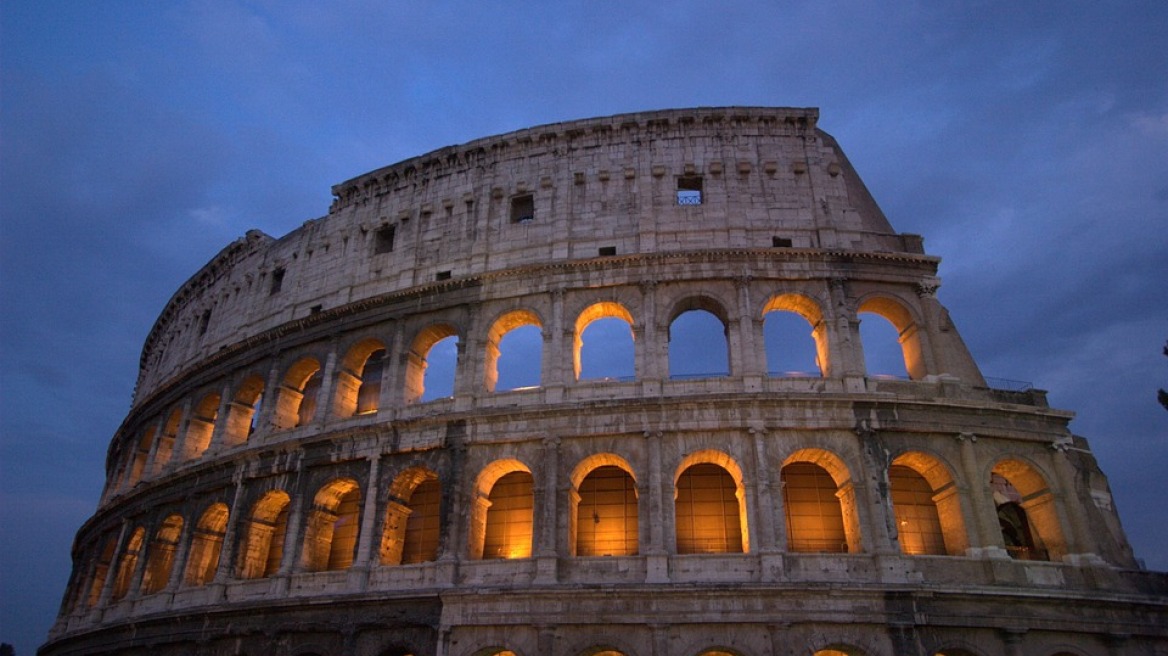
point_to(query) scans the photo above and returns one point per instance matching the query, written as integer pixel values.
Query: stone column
(649, 347)
(545, 548)
(553, 374)
(324, 395)
(226, 567)
(847, 353)
(178, 450)
(1080, 544)
(657, 561)
(222, 419)
(392, 394)
(748, 359)
(149, 465)
(766, 536)
(111, 573)
(365, 536)
(987, 537)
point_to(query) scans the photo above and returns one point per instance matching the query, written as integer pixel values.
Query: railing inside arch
(1009, 385)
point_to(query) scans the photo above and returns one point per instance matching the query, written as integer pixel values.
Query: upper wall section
(582, 189)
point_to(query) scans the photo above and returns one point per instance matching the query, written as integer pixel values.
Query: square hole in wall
(383, 239)
(277, 281)
(780, 242)
(689, 190)
(442, 275)
(607, 250)
(523, 209)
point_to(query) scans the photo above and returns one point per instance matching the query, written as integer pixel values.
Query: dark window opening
(780, 242)
(689, 190)
(523, 209)
(383, 240)
(204, 321)
(277, 281)
(316, 309)
(442, 275)
(607, 250)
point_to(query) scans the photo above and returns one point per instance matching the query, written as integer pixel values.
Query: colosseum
(595, 388)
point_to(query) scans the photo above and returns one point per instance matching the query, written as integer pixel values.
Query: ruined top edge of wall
(614, 127)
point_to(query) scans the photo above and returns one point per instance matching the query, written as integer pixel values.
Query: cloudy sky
(1028, 143)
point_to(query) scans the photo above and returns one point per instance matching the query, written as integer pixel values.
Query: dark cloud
(1027, 143)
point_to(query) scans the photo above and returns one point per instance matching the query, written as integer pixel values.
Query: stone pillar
(149, 466)
(987, 537)
(1080, 544)
(226, 567)
(766, 537)
(545, 524)
(292, 548)
(394, 530)
(272, 394)
(847, 353)
(222, 419)
(328, 384)
(748, 359)
(178, 569)
(657, 561)
(111, 573)
(553, 375)
(178, 450)
(1012, 640)
(546, 639)
(452, 545)
(392, 394)
(365, 536)
(649, 347)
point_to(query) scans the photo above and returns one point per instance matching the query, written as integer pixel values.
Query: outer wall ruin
(289, 481)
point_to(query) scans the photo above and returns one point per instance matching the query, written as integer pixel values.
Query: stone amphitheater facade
(288, 482)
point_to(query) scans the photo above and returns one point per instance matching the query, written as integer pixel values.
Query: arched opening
(206, 546)
(514, 352)
(100, 572)
(128, 563)
(918, 526)
(926, 506)
(431, 364)
(699, 346)
(243, 411)
(819, 503)
(264, 541)
(708, 509)
(601, 651)
(836, 652)
(359, 379)
(1026, 511)
(201, 426)
(790, 349)
(606, 513)
(412, 519)
(139, 456)
(166, 441)
(508, 532)
(603, 347)
(330, 534)
(160, 556)
(296, 403)
(892, 345)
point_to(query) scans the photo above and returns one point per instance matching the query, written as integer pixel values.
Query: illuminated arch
(160, 555)
(591, 314)
(201, 426)
(687, 341)
(506, 323)
(242, 411)
(812, 313)
(139, 456)
(359, 379)
(603, 508)
(166, 441)
(417, 359)
(100, 571)
(710, 505)
(412, 518)
(819, 503)
(330, 533)
(296, 402)
(1026, 509)
(907, 329)
(128, 563)
(927, 509)
(206, 545)
(502, 512)
(263, 550)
